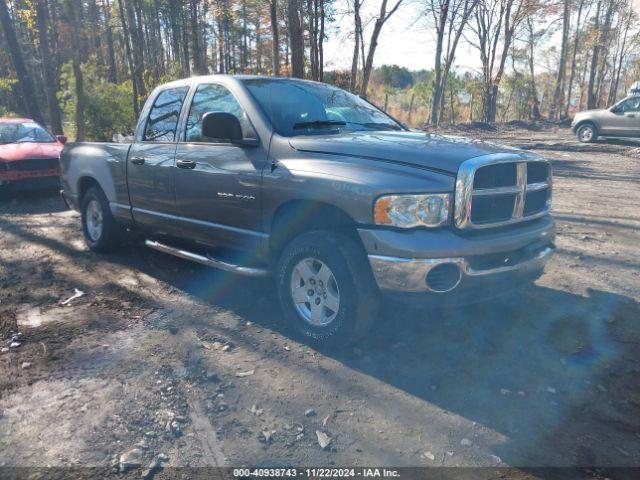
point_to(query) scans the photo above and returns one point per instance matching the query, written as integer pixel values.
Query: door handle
(187, 164)
(137, 160)
(631, 115)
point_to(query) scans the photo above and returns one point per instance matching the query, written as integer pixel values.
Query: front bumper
(440, 262)
(410, 275)
(15, 175)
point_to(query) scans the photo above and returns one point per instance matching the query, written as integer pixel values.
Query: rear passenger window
(163, 118)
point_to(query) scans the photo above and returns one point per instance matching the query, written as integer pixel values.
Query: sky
(403, 41)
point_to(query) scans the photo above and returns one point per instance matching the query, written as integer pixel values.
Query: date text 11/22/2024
(315, 473)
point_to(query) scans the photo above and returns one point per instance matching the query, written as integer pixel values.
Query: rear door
(218, 183)
(150, 169)
(630, 117)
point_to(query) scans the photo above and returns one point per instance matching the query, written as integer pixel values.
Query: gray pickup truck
(320, 189)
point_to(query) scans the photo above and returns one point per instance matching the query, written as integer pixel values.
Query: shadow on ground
(534, 365)
(555, 373)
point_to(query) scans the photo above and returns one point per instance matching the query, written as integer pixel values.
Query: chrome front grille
(502, 189)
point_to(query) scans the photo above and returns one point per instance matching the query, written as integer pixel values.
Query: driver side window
(213, 98)
(630, 105)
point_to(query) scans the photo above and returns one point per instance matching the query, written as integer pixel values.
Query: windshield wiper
(380, 125)
(318, 124)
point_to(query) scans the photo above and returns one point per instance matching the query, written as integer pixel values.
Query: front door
(624, 119)
(150, 169)
(218, 183)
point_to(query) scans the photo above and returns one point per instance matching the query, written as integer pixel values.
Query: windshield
(303, 108)
(24, 132)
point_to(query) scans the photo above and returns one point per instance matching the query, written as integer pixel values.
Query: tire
(101, 231)
(587, 133)
(301, 266)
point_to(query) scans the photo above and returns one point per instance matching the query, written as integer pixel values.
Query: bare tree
(495, 24)
(380, 20)
(574, 54)
(602, 27)
(357, 34)
(624, 42)
(24, 77)
(450, 17)
(558, 95)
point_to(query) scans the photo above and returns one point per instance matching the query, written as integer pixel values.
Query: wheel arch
(295, 217)
(587, 121)
(85, 183)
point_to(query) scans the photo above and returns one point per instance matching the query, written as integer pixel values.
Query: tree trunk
(604, 49)
(356, 48)
(366, 72)
(186, 66)
(373, 44)
(74, 26)
(321, 42)
(595, 58)
(434, 115)
(558, 95)
(94, 32)
(24, 78)
(613, 92)
(573, 59)
(296, 39)
(534, 111)
(275, 43)
(113, 71)
(55, 117)
(130, 61)
(174, 20)
(198, 65)
(136, 48)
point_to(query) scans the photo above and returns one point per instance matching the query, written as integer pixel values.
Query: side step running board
(207, 260)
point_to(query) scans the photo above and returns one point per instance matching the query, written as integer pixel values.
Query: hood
(590, 112)
(435, 152)
(11, 152)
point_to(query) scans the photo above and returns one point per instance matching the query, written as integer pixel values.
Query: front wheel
(326, 288)
(587, 133)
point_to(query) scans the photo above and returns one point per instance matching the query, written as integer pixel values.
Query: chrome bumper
(410, 275)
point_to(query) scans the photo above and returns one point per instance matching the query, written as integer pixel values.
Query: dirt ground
(178, 360)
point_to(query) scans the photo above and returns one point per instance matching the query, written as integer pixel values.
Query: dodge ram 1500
(321, 190)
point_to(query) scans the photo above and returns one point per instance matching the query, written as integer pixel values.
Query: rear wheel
(326, 288)
(101, 231)
(587, 133)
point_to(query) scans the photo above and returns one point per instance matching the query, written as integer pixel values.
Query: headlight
(407, 211)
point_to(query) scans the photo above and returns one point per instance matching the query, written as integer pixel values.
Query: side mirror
(61, 138)
(225, 126)
(615, 109)
(221, 125)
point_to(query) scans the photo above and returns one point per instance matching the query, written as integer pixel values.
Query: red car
(28, 153)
